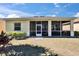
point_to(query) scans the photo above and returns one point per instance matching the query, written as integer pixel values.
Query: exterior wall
(8, 24)
(2, 25)
(24, 26)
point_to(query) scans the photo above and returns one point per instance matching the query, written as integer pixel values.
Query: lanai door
(38, 29)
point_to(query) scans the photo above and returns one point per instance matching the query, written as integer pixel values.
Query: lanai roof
(42, 18)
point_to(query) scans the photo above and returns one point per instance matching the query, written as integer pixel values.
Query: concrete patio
(62, 46)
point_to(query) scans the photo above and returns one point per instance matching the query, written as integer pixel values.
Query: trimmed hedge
(17, 35)
(65, 33)
(76, 33)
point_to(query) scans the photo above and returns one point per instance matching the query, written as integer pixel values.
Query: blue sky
(39, 9)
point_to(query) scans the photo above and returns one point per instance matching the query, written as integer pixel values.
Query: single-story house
(41, 25)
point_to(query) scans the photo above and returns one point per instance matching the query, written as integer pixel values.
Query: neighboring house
(76, 25)
(41, 26)
(2, 25)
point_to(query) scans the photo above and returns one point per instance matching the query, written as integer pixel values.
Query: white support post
(71, 28)
(60, 28)
(49, 28)
(28, 28)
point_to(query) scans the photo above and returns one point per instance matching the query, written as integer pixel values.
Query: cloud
(38, 13)
(76, 15)
(56, 5)
(8, 12)
(9, 16)
(53, 15)
(2, 16)
(16, 4)
(66, 5)
(13, 16)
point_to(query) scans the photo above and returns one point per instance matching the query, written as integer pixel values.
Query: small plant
(49, 52)
(4, 39)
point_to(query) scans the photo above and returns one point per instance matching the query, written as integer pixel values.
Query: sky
(11, 10)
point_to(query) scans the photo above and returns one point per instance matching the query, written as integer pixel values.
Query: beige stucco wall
(24, 26)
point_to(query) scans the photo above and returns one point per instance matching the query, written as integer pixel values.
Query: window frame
(17, 26)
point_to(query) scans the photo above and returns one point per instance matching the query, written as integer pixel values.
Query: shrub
(17, 35)
(66, 33)
(76, 33)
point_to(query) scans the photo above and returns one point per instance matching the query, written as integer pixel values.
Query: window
(32, 28)
(55, 25)
(44, 28)
(17, 26)
(56, 28)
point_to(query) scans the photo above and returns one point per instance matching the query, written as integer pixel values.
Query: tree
(5, 39)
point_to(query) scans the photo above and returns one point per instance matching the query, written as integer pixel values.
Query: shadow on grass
(21, 38)
(26, 50)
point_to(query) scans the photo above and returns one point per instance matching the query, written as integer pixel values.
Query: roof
(42, 18)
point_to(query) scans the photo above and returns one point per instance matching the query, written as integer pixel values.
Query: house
(41, 26)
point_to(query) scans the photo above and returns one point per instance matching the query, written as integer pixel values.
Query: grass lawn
(61, 46)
